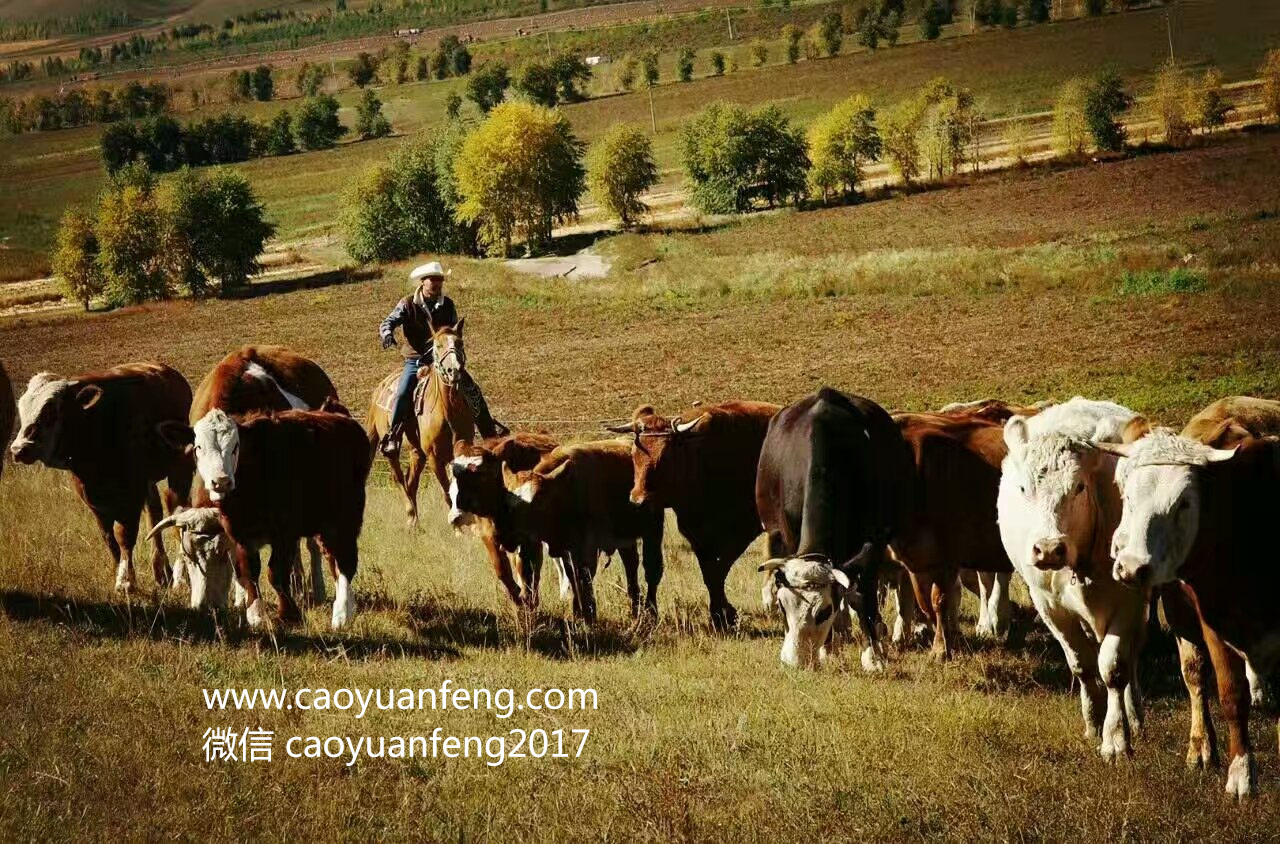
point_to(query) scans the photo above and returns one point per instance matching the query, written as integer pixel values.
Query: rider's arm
(388, 328)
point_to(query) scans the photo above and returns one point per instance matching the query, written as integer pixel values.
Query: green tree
(1170, 102)
(841, 143)
(899, 131)
(278, 138)
(620, 168)
(1105, 100)
(1208, 107)
(791, 36)
(488, 85)
(370, 121)
(572, 74)
(759, 53)
(1036, 11)
(1070, 128)
(216, 228)
(537, 82)
(134, 261)
(318, 126)
(717, 63)
(363, 69)
(239, 90)
(932, 17)
(75, 258)
(649, 65)
(310, 78)
(119, 145)
(452, 105)
(1269, 72)
(831, 33)
(422, 69)
(733, 157)
(261, 83)
(518, 173)
(625, 74)
(684, 64)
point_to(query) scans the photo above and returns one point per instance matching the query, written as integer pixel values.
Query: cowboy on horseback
(416, 316)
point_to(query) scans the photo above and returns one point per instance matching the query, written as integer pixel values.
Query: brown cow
(1229, 421)
(1201, 516)
(8, 414)
(105, 428)
(251, 379)
(951, 523)
(482, 477)
(578, 503)
(704, 469)
(278, 478)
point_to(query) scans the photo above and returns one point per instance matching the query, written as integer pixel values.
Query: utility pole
(1168, 26)
(548, 35)
(729, 18)
(653, 114)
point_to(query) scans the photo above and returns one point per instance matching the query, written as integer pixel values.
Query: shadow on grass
(324, 278)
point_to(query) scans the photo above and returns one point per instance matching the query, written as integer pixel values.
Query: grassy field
(1007, 286)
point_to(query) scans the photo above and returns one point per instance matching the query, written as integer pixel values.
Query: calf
(1058, 505)
(277, 478)
(577, 501)
(832, 483)
(480, 496)
(1203, 516)
(106, 429)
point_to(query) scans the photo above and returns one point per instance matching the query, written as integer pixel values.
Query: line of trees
(45, 112)
(196, 233)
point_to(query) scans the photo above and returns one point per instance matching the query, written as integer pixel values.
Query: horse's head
(450, 354)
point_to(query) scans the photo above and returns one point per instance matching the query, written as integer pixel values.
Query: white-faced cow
(278, 478)
(251, 379)
(105, 428)
(702, 465)
(831, 487)
(1058, 505)
(1203, 516)
(577, 501)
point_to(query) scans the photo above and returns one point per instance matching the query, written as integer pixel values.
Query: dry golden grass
(698, 736)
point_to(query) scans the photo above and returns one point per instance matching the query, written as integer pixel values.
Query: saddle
(386, 396)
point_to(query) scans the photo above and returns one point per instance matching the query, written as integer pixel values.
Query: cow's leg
(953, 600)
(530, 558)
(1255, 683)
(1116, 673)
(160, 559)
(1202, 744)
(284, 551)
(1234, 699)
(715, 569)
(1081, 654)
(248, 568)
(652, 551)
(994, 607)
(631, 567)
(582, 564)
(869, 611)
(501, 562)
(126, 536)
(346, 556)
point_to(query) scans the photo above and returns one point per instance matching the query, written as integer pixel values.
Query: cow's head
(215, 440)
(1048, 485)
(450, 356)
(476, 485)
(49, 414)
(810, 591)
(655, 452)
(206, 551)
(1157, 476)
(544, 496)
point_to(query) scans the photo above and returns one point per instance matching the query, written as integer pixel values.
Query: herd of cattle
(1101, 514)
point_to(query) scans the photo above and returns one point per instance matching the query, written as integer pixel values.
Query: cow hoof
(1199, 758)
(1242, 778)
(254, 613)
(872, 663)
(239, 597)
(177, 575)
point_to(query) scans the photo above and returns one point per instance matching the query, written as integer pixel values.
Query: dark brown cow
(1203, 517)
(8, 414)
(482, 477)
(951, 523)
(704, 469)
(260, 379)
(578, 501)
(105, 428)
(279, 478)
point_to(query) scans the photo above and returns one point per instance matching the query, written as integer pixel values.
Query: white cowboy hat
(427, 270)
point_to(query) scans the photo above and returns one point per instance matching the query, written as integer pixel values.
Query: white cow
(1058, 506)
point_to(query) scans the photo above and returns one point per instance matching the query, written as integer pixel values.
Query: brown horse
(443, 416)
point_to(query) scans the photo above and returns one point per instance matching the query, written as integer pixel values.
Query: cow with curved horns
(702, 465)
(1202, 516)
(831, 489)
(106, 429)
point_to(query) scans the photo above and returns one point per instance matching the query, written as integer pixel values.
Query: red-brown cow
(8, 414)
(482, 479)
(704, 469)
(278, 478)
(105, 428)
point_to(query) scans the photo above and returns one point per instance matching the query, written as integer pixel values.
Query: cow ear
(88, 396)
(176, 435)
(1138, 427)
(842, 579)
(1228, 432)
(1016, 432)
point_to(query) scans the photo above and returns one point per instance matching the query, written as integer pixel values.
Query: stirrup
(391, 443)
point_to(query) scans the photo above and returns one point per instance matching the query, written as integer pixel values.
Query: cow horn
(167, 521)
(771, 565)
(629, 428)
(1119, 449)
(685, 427)
(1217, 455)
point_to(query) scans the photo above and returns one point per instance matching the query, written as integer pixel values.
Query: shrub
(812, 52)
(1105, 100)
(537, 82)
(262, 84)
(452, 105)
(318, 126)
(363, 69)
(841, 142)
(620, 167)
(684, 64)
(831, 33)
(1269, 72)
(791, 36)
(370, 121)
(1037, 11)
(570, 72)
(75, 258)
(216, 228)
(488, 85)
(519, 172)
(717, 63)
(1154, 282)
(733, 157)
(422, 69)
(1070, 128)
(625, 75)
(759, 53)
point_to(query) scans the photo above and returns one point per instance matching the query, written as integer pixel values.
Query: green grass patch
(1157, 282)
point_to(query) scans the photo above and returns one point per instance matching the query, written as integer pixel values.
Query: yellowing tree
(841, 142)
(620, 168)
(1171, 100)
(518, 173)
(1070, 128)
(75, 260)
(1270, 73)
